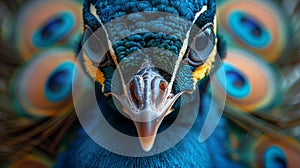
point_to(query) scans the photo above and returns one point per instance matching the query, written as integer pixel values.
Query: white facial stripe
(204, 8)
(111, 50)
(183, 49)
(215, 25)
(93, 11)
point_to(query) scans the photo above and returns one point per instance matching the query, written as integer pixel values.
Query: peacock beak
(148, 101)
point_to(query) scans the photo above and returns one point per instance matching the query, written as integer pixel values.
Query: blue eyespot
(59, 83)
(55, 29)
(236, 83)
(275, 158)
(249, 30)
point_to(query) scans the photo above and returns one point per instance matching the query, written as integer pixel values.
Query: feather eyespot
(53, 30)
(40, 24)
(248, 81)
(253, 29)
(43, 86)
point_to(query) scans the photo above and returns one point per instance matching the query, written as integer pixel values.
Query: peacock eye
(43, 86)
(53, 30)
(41, 24)
(93, 46)
(202, 45)
(275, 156)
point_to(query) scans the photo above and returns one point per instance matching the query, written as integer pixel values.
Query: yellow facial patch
(93, 71)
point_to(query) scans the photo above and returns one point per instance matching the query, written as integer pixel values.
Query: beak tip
(147, 133)
(147, 143)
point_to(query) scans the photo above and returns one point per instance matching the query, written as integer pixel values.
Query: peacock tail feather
(26, 126)
(36, 80)
(261, 78)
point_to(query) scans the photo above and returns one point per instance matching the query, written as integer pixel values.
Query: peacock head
(145, 61)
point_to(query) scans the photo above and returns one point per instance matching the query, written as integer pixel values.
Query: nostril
(134, 95)
(158, 91)
(163, 85)
(131, 87)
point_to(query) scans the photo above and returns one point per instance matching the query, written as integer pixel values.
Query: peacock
(143, 58)
(144, 83)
